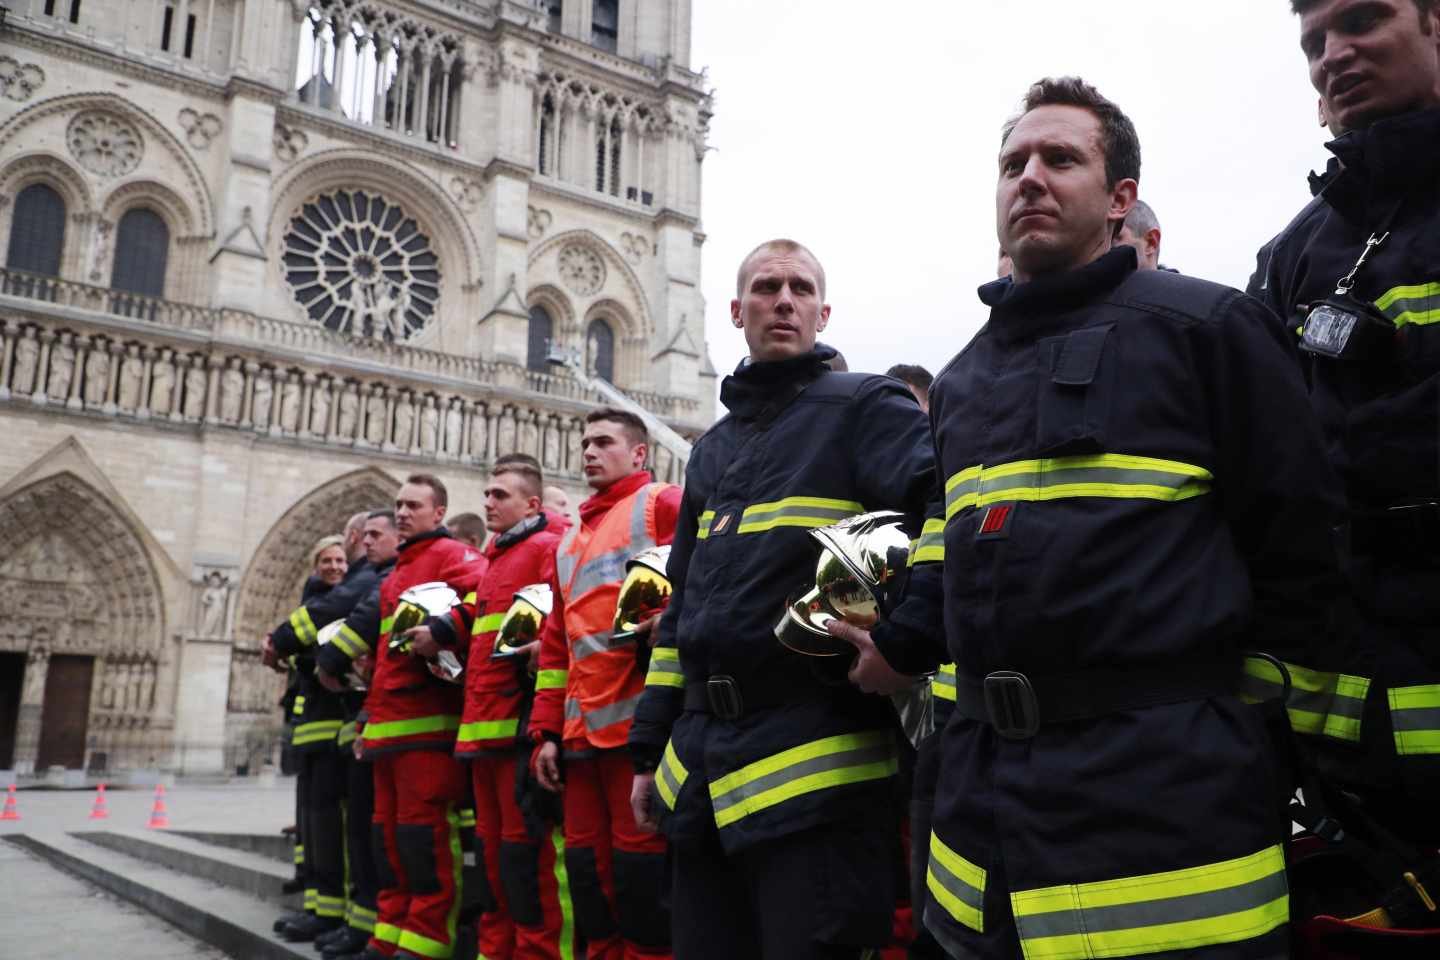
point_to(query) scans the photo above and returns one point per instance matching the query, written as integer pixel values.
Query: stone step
(271, 845)
(259, 876)
(233, 922)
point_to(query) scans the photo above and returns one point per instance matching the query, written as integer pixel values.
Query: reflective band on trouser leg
(311, 896)
(1329, 704)
(930, 547)
(1217, 903)
(1417, 304)
(562, 890)
(424, 946)
(552, 679)
(329, 906)
(1110, 475)
(942, 685)
(820, 765)
(303, 626)
(670, 776)
(957, 885)
(362, 918)
(664, 668)
(1415, 718)
(796, 512)
(386, 933)
(299, 854)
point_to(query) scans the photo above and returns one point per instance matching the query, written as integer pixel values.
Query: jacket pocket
(1074, 386)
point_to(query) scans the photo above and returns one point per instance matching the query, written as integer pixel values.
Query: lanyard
(1381, 234)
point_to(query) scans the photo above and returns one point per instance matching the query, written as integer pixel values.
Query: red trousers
(531, 921)
(616, 872)
(417, 798)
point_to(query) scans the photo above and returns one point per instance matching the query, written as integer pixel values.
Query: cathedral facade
(262, 259)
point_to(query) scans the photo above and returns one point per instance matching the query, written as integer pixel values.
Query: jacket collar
(756, 389)
(599, 505)
(1397, 153)
(381, 569)
(439, 533)
(520, 531)
(1018, 310)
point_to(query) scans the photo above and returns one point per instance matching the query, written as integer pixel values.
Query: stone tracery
(104, 144)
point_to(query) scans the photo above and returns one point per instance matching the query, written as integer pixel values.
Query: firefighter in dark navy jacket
(1134, 498)
(774, 777)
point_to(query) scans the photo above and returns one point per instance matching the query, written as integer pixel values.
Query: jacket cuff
(442, 630)
(905, 650)
(544, 736)
(332, 660)
(645, 757)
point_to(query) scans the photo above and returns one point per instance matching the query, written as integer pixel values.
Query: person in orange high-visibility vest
(587, 688)
(409, 734)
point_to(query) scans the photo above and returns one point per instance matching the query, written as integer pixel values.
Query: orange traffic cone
(158, 817)
(10, 813)
(99, 811)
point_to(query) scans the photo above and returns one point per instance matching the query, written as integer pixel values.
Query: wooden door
(66, 713)
(12, 681)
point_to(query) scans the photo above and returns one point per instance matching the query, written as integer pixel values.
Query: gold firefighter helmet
(418, 604)
(524, 620)
(644, 593)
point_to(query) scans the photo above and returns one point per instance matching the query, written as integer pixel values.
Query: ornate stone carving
(97, 375)
(214, 605)
(505, 433)
(551, 458)
(264, 398)
(375, 424)
(538, 221)
(290, 403)
(429, 427)
(62, 368)
(467, 193)
(18, 81)
(581, 270)
(195, 389)
(454, 422)
(320, 409)
(232, 392)
(345, 422)
(529, 435)
(132, 378)
(404, 422)
(104, 144)
(100, 259)
(479, 432)
(27, 357)
(162, 384)
(634, 247)
(289, 142)
(200, 128)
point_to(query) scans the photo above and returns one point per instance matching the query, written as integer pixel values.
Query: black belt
(1410, 528)
(1017, 706)
(729, 698)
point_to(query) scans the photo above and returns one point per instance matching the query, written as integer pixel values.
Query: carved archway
(277, 570)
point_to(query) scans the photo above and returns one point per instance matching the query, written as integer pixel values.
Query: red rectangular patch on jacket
(995, 524)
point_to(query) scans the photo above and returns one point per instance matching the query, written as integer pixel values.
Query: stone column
(212, 388)
(77, 379)
(117, 356)
(142, 409)
(32, 705)
(10, 329)
(307, 390)
(341, 27)
(42, 370)
(201, 705)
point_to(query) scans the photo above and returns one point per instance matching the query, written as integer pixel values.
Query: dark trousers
(359, 852)
(826, 893)
(922, 809)
(322, 825)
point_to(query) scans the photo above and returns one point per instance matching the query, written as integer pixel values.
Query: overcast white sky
(869, 131)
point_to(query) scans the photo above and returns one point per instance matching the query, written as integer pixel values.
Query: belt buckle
(1010, 702)
(724, 695)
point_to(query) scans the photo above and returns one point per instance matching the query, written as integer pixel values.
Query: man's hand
(268, 657)
(364, 666)
(870, 672)
(328, 680)
(547, 766)
(421, 643)
(531, 652)
(642, 790)
(646, 629)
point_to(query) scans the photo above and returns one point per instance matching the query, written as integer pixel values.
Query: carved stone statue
(505, 439)
(479, 432)
(213, 601)
(62, 368)
(349, 412)
(320, 409)
(264, 396)
(27, 355)
(132, 378)
(429, 426)
(529, 435)
(232, 392)
(195, 389)
(162, 384)
(97, 375)
(36, 667)
(404, 422)
(375, 424)
(290, 404)
(552, 445)
(454, 421)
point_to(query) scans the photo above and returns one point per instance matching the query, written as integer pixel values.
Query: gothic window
(601, 161)
(359, 264)
(553, 8)
(37, 231)
(600, 350)
(547, 134)
(142, 246)
(616, 137)
(541, 329)
(605, 24)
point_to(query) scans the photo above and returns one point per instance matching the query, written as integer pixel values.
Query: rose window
(360, 265)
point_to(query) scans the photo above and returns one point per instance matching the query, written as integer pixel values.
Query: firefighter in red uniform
(526, 918)
(587, 689)
(409, 734)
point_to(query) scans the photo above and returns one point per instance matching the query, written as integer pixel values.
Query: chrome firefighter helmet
(644, 593)
(524, 620)
(418, 604)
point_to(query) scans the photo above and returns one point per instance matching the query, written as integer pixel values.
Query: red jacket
(587, 687)
(407, 707)
(495, 689)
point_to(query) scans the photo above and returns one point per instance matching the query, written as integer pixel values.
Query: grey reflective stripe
(1413, 719)
(608, 716)
(572, 709)
(564, 560)
(965, 892)
(876, 753)
(597, 643)
(754, 517)
(597, 571)
(945, 679)
(1315, 701)
(965, 488)
(672, 782)
(1129, 476)
(1149, 913)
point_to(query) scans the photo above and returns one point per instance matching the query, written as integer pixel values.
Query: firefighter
(319, 714)
(1134, 496)
(526, 918)
(409, 733)
(1356, 275)
(587, 688)
(775, 779)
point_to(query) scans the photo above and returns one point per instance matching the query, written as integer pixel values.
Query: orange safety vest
(605, 681)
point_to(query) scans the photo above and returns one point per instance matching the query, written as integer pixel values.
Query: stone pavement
(242, 806)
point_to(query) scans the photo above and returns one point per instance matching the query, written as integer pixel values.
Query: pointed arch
(278, 567)
(622, 284)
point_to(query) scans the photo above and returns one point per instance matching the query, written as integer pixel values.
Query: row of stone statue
(97, 373)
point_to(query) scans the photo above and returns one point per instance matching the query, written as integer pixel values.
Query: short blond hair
(325, 543)
(778, 245)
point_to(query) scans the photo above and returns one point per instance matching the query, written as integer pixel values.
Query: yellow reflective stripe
(820, 765)
(942, 685)
(347, 734)
(467, 817)
(1415, 304)
(703, 529)
(1106, 475)
(796, 512)
(303, 625)
(298, 707)
(350, 643)
(329, 906)
(957, 885)
(469, 598)
(1320, 704)
(1415, 717)
(930, 547)
(489, 729)
(316, 731)
(664, 668)
(386, 624)
(311, 894)
(387, 933)
(488, 623)
(438, 723)
(551, 679)
(562, 893)
(299, 853)
(670, 775)
(1176, 910)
